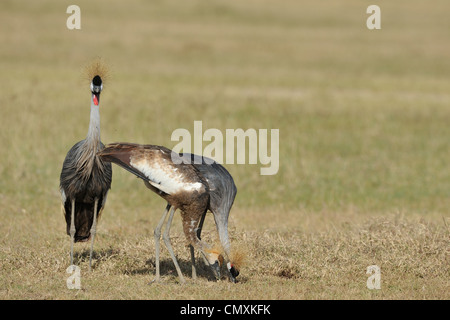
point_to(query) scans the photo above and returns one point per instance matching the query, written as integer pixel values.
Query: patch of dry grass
(413, 257)
(280, 263)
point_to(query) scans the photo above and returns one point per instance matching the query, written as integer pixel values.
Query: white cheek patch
(165, 178)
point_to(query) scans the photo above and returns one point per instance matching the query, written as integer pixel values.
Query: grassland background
(364, 133)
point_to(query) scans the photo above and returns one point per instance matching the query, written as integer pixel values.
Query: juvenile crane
(184, 187)
(85, 179)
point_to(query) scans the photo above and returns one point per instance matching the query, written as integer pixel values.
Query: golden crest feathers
(238, 256)
(98, 67)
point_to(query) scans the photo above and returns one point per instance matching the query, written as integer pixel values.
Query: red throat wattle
(95, 99)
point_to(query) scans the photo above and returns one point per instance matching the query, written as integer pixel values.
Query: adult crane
(184, 187)
(85, 178)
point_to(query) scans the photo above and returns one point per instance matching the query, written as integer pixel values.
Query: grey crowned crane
(85, 178)
(184, 187)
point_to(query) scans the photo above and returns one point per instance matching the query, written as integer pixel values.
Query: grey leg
(157, 235)
(166, 239)
(93, 232)
(72, 230)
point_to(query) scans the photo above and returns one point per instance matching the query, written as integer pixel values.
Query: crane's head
(96, 88)
(215, 261)
(96, 72)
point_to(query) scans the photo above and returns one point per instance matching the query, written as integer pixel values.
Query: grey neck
(93, 136)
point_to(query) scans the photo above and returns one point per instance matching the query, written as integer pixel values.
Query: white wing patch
(166, 179)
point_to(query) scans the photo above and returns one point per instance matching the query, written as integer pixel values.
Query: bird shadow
(98, 256)
(167, 268)
(166, 265)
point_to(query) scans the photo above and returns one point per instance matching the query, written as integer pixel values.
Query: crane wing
(153, 164)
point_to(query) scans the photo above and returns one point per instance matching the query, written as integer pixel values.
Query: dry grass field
(363, 117)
